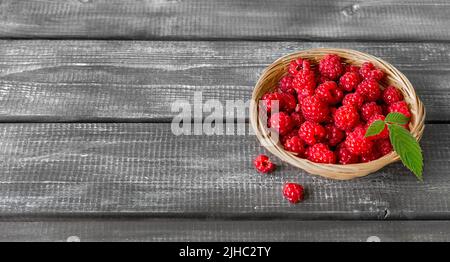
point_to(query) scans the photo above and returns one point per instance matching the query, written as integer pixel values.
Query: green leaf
(397, 118)
(407, 148)
(375, 128)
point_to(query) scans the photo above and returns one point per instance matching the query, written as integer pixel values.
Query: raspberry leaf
(375, 128)
(397, 118)
(407, 148)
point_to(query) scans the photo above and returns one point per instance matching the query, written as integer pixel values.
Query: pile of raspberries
(325, 110)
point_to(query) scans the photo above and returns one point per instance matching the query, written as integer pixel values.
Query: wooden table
(86, 147)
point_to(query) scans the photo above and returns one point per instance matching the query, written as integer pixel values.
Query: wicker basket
(278, 69)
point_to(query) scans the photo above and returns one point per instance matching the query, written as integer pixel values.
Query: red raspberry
(357, 143)
(372, 155)
(331, 67)
(312, 133)
(281, 123)
(369, 89)
(293, 192)
(295, 66)
(384, 134)
(384, 146)
(314, 109)
(353, 99)
(303, 93)
(329, 92)
(263, 164)
(349, 81)
(295, 145)
(322, 79)
(352, 68)
(400, 107)
(370, 109)
(292, 133)
(286, 102)
(305, 78)
(297, 119)
(334, 135)
(320, 153)
(344, 156)
(286, 85)
(368, 71)
(392, 95)
(346, 117)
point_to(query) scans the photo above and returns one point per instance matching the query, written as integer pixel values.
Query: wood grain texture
(138, 81)
(219, 19)
(207, 231)
(141, 169)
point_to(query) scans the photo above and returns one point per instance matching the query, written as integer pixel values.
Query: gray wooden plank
(216, 230)
(142, 169)
(212, 19)
(138, 81)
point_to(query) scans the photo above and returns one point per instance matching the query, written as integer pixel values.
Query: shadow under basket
(274, 72)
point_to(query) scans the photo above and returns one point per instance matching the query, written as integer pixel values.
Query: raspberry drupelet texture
(281, 123)
(286, 85)
(370, 109)
(400, 107)
(293, 192)
(330, 66)
(303, 93)
(286, 102)
(356, 142)
(295, 66)
(314, 109)
(297, 119)
(295, 145)
(334, 135)
(263, 164)
(320, 153)
(384, 134)
(372, 155)
(349, 81)
(369, 71)
(329, 92)
(352, 68)
(384, 146)
(391, 95)
(353, 99)
(369, 89)
(346, 117)
(312, 133)
(344, 156)
(305, 78)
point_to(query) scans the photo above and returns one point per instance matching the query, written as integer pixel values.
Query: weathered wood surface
(138, 81)
(217, 230)
(227, 19)
(141, 169)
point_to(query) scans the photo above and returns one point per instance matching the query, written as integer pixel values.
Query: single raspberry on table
(349, 81)
(357, 143)
(281, 123)
(334, 135)
(369, 71)
(384, 134)
(297, 119)
(312, 133)
(372, 155)
(295, 66)
(329, 92)
(400, 107)
(344, 156)
(384, 146)
(293, 192)
(263, 164)
(353, 99)
(369, 89)
(314, 109)
(392, 95)
(286, 85)
(320, 153)
(370, 109)
(330, 66)
(346, 117)
(295, 145)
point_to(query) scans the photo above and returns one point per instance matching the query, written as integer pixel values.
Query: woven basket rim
(335, 171)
